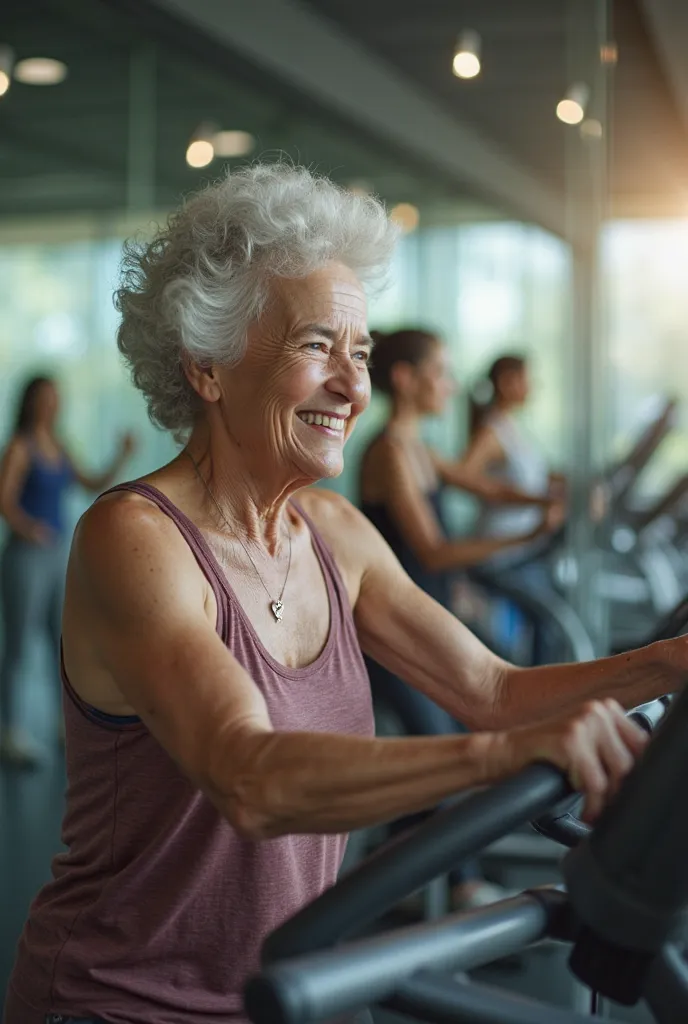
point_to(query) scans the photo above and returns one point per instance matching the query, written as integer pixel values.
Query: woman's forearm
(457, 554)
(530, 694)
(329, 783)
(489, 489)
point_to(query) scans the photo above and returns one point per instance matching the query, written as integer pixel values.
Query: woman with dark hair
(35, 474)
(499, 448)
(401, 487)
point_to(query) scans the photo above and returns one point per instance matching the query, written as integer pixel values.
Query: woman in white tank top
(501, 449)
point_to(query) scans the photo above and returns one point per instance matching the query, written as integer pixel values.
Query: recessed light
(406, 215)
(466, 63)
(40, 71)
(571, 110)
(200, 153)
(6, 62)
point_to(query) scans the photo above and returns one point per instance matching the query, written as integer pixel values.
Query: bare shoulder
(351, 538)
(17, 449)
(126, 539)
(356, 545)
(335, 516)
(121, 517)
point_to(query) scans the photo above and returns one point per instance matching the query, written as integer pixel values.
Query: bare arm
(405, 630)
(13, 470)
(98, 482)
(144, 603)
(418, 524)
(471, 473)
(145, 597)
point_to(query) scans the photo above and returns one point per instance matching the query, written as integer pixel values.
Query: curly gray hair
(195, 289)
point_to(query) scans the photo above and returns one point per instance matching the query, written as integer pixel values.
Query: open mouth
(325, 423)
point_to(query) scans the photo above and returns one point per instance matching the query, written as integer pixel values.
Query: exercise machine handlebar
(404, 865)
(561, 823)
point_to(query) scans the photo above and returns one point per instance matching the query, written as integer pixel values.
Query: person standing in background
(36, 473)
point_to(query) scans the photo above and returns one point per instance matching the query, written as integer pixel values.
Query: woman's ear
(202, 379)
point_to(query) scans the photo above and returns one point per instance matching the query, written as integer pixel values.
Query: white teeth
(333, 422)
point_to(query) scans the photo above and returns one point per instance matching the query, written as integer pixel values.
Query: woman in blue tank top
(35, 475)
(401, 486)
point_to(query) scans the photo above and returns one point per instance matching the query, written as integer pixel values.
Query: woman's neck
(504, 406)
(404, 421)
(235, 497)
(43, 433)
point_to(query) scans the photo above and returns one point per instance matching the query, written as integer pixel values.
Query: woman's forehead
(332, 293)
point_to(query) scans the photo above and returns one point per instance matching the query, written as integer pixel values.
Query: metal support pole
(586, 188)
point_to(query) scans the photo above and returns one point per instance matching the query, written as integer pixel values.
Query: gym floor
(30, 815)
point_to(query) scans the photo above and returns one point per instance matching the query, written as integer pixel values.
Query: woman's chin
(326, 466)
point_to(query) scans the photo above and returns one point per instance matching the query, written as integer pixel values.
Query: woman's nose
(348, 381)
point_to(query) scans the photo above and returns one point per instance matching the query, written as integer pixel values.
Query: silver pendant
(277, 608)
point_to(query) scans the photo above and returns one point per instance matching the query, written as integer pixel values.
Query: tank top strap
(333, 577)
(194, 538)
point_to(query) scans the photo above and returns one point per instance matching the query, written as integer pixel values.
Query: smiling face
(293, 400)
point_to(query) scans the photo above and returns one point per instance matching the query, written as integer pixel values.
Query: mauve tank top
(157, 910)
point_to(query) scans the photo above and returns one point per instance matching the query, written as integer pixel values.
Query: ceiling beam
(668, 22)
(313, 55)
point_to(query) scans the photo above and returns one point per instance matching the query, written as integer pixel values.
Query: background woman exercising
(35, 475)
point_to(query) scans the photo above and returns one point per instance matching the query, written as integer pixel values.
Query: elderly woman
(219, 730)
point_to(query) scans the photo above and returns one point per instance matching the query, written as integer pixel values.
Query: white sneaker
(17, 751)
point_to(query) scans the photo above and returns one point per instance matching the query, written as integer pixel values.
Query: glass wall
(57, 316)
(644, 267)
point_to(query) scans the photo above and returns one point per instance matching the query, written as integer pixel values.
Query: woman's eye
(362, 356)
(317, 346)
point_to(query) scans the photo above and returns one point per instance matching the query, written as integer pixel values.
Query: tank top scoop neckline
(225, 595)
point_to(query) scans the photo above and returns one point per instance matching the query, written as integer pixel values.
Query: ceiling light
(233, 143)
(571, 110)
(40, 71)
(406, 216)
(6, 62)
(609, 53)
(200, 153)
(201, 148)
(466, 63)
(591, 128)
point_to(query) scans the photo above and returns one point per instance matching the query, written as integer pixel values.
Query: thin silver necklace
(276, 607)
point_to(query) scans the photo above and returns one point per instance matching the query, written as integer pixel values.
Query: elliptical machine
(623, 913)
